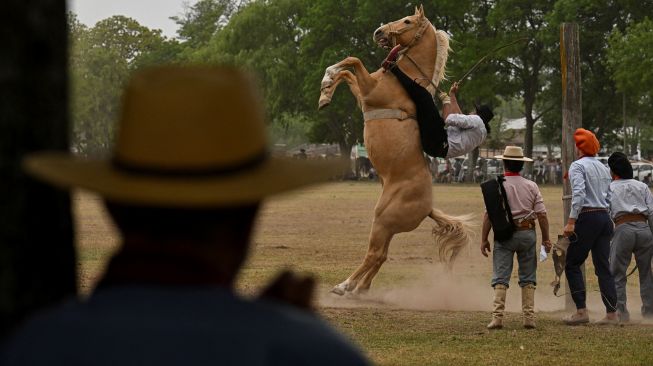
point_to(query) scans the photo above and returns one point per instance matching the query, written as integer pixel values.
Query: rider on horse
(454, 135)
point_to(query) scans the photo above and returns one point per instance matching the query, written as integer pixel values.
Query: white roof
(516, 124)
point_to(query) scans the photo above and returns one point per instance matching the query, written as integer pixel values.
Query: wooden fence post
(571, 116)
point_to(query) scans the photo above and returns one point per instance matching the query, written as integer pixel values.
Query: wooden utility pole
(571, 115)
(37, 257)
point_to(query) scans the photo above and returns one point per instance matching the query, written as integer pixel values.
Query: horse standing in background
(393, 142)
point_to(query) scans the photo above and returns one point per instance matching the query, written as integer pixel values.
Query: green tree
(102, 58)
(522, 68)
(289, 43)
(597, 20)
(202, 20)
(341, 122)
(264, 37)
(630, 59)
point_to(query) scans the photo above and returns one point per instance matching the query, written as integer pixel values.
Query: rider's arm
(449, 102)
(454, 108)
(485, 232)
(544, 228)
(446, 105)
(485, 229)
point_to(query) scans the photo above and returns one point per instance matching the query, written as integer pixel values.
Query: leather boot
(499, 306)
(528, 305)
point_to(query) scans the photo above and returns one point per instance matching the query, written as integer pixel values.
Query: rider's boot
(528, 305)
(499, 306)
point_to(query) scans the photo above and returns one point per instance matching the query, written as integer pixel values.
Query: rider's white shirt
(465, 133)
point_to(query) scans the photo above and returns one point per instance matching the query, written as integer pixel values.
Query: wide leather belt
(525, 225)
(630, 218)
(593, 209)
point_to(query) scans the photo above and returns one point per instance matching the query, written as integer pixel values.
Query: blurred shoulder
(302, 337)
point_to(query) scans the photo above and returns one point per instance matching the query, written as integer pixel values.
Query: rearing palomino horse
(393, 143)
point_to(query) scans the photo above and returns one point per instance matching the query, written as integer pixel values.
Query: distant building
(516, 129)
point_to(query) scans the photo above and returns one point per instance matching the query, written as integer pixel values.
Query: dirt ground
(416, 313)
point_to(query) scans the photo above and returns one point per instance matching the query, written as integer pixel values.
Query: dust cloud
(438, 289)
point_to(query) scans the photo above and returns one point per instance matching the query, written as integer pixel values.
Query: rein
(422, 72)
(479, 62)
(387, 63)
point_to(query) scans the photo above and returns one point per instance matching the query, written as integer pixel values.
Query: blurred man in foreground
(189, 171)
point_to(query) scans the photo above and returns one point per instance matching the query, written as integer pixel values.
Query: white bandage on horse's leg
(343, 287)
(329, 73)
(333, 70)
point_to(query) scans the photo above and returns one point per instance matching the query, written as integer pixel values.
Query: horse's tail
(451, 234)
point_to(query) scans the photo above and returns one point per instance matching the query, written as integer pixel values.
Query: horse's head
(405, 31)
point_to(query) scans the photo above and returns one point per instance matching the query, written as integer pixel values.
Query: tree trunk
(572, 116)
(37, 257)
(345, 152)
(472, 157)
(528, 134)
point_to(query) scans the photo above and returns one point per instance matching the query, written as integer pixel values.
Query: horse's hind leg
(365, 282)
(376, 254)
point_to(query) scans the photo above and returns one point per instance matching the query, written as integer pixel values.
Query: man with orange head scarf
(589, 228)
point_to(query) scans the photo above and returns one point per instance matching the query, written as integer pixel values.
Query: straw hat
(187, 137)
(513, 153)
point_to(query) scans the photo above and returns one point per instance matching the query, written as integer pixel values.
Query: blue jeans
(523, 244)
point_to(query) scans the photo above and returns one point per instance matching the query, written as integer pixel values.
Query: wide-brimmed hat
(513, 153)
(187, 137)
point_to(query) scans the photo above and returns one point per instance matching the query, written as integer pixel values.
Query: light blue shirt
(628, 196)
(590, 182)
(465, 132)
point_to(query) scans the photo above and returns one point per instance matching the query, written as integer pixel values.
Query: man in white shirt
(631, 209)
(465, 132)
(452, 134)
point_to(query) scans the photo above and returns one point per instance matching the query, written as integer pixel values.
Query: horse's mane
(442, 52)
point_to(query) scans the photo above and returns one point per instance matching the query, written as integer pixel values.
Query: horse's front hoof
(338, 290)
(323, 103)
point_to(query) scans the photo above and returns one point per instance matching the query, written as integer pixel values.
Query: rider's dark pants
(431, 125)
(593, 233)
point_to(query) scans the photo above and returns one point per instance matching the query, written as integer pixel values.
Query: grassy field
(416, 313)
